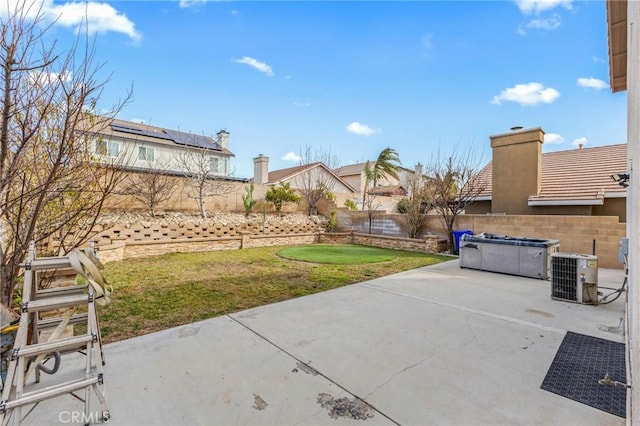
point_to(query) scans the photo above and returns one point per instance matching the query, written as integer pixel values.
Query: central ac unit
(574, 278)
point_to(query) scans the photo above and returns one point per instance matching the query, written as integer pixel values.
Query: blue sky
(353, 77)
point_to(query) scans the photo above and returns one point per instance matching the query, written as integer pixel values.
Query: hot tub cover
(486, 237)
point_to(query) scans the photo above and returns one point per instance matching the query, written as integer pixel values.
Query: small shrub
(333, 221)
(351, 205)
(403, 205)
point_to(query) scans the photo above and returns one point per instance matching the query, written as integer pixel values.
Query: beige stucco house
(354, 175)
(300, 177)
(520, 179)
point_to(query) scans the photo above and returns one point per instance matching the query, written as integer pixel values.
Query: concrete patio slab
(436, 345)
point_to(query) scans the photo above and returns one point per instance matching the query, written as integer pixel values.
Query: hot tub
(527, 257)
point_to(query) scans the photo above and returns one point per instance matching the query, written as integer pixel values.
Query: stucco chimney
(260, 169)
(516, 169)
(223, 139)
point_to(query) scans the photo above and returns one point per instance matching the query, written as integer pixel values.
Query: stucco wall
(516, 170)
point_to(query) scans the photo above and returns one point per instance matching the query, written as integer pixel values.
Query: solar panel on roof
(139, 131)
(190, 139)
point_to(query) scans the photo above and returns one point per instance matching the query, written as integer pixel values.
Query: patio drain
(354, 408)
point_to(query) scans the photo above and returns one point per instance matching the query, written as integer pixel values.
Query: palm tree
(386, 165)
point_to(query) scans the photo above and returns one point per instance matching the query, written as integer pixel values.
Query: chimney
(223, 139)
(418, 168)
(516, 169)
(260, 170)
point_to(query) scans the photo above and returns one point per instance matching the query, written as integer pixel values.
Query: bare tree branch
(452, 185)
(317, 182)
(204, 178)
(52, 186)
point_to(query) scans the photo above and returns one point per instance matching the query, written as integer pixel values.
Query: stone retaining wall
(429, 244)
(131, 249)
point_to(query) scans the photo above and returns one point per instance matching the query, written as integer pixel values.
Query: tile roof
(575, 175)
(356, 169)
(282, 174)
(288, 173)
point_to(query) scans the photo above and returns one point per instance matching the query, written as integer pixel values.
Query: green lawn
(160, 292)
(338, 254)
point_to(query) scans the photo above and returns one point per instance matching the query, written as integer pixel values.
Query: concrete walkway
(433, 346)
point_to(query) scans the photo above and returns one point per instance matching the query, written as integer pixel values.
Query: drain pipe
(593, 247)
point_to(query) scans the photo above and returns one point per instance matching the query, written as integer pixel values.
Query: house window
(145, 153)
(107, 148)
(214, 164)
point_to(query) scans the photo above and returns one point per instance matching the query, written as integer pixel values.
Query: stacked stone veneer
(149, 239)
(141, 240)
(140, 232)
(429, 244)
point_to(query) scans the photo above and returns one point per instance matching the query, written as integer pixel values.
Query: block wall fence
(575, 233)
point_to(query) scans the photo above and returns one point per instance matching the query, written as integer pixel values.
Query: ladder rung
(43, 324)
(57, 345)
(50, 392)
(43, 263)
(52, 303)
(60, 291)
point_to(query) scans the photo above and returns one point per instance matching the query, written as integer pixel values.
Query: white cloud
(99, 17)
(292, 156)
(598, 60)
(301, 104)
(553, 138)
(548, 24)
(47, 78)
(537, 6)
(527, 94)
(254, 63)
(580, 141)
(361, 129)
(186, 4)
(593, 83)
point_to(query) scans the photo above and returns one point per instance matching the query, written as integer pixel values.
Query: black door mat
(579, 363)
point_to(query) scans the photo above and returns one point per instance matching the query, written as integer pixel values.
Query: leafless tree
(453, 185)
(152, 186)
(317, 182)
(206, 181)
(52, 186)
(414, 217)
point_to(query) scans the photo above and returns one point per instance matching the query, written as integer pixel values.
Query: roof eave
(617, 38)
(588, 202)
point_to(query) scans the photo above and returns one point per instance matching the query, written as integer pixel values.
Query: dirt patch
(351, 408)
(259, 403)
(306, 368)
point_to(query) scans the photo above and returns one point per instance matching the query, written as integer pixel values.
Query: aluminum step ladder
(31, 347)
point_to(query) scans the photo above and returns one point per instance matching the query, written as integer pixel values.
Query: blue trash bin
(456, 239)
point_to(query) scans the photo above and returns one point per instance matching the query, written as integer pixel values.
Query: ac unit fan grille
(564, 278)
